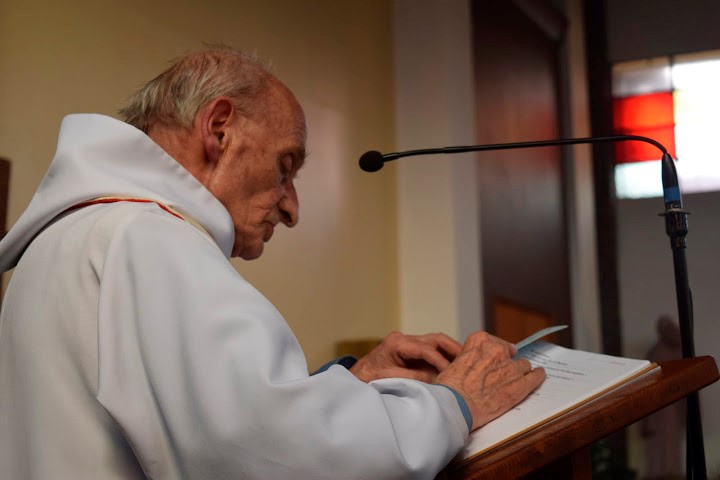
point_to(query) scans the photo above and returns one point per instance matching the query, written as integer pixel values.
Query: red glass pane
(626, 152)
(650, 115)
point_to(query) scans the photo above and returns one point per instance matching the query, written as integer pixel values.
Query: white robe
(130, 347)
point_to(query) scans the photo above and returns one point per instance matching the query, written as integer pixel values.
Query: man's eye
(286, 166)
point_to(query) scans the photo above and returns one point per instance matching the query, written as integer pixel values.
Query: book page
(572, 377)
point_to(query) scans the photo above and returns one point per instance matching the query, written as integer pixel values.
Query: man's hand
(419, 357)
(487, 377)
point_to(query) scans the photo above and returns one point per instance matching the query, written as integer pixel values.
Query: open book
(573, 378)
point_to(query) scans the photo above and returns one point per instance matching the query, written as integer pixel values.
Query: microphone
(372, 161)
(676, 227)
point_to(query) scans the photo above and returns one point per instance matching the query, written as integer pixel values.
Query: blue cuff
(347, 361)
(463, 405)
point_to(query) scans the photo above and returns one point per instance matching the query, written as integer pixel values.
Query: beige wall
(334, 276)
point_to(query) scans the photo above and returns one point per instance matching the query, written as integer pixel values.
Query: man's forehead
(291, 129)
(301, 130)
(297, 128)
(283, 103)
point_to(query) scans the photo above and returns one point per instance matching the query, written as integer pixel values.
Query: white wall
(438, 209)
(643, 29)
(582, 243)
(648, 28)
(647, 287)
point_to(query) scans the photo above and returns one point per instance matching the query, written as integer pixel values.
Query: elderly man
(131, 348)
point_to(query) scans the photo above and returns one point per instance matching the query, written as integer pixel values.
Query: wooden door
(4, 192)
(523, 229)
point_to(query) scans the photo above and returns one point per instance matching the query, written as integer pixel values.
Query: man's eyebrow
(302, 151)
(300, 154)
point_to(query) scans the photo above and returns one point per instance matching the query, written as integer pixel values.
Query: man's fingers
(513, 371)
(534, 378)
(407, 356)
(449, 346)
(414, 349)
(480, 339)
(523, 365)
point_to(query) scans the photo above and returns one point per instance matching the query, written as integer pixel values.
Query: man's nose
(289, 207)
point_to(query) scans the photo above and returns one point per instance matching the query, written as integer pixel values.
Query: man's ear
(215, 119)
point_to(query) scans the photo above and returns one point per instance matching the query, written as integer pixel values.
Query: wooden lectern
(560, 448)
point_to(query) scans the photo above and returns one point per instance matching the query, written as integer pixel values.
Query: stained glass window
(675, 101)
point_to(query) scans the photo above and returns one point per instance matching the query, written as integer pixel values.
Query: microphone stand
(676, 227)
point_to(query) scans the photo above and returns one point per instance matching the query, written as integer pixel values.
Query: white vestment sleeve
(206, 379)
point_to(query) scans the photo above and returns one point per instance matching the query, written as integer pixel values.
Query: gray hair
(174, 97)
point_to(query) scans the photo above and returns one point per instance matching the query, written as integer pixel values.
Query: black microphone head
(371, 161)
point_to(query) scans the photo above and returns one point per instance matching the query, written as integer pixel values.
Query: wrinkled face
(261, 161)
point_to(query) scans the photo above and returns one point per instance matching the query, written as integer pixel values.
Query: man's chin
(249, 253)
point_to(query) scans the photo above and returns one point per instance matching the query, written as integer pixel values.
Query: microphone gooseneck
(373, 161)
